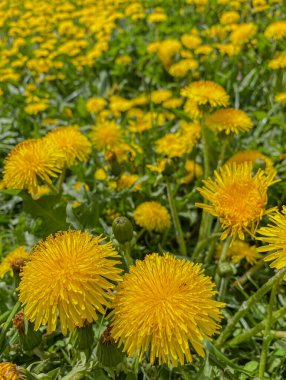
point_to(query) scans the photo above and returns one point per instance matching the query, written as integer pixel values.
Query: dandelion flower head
(152, 216)
(163, 306)
(71, 142)
(68, 276)
(274, 235)
(8, 262)
(206, 93)
(237, 197)
(30, 163)
(229, 121)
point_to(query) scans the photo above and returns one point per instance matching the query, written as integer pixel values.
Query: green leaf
(50, 210)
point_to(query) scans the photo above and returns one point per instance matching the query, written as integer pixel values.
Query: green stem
(61, 179)
(176, 220)
(222, 259)
(6, 325)
(205, 149)
(247, 304)
(256, 329)
(267, 335)
(4, 316)
(222, 152)
(242, 280)
(211, 249)
(203, 244)
(140, 233)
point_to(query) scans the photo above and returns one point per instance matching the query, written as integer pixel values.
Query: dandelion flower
(275, 237)
(159, 96)
(106, 135)
(127, 180)
(229, 17)
(243, 33)
(71, 142)
(253, 156)
(9, 261)
(206, 93)
(229, 121)
(171, 145)
(193, 170)
(240, 250)
(163, 306)
(237, 197)
(95, 104)
(30, 162)
(279, 61)
(281, 97)
(276, 30)
(152, 216)
(69, 275)
(10, 371)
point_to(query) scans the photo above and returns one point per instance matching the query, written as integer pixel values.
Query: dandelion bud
(107, 352)
(29, 338)
(83, 337)
(122, 229)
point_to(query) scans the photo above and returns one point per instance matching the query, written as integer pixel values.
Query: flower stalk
(267, 333)
(176, 220)
(246, 306)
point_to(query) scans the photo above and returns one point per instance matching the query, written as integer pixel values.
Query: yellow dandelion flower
(163, 306)
(243, 33)
(68, 276)
(279, 61)
(119, 104)
(193, 170)
(106, 135)
(228, 49)
(172, 103)
(206, 93)
(10, 371)
(123, 60)
(159, 96)
(71, 143)
(229, 121)
(281, 97)
(32, 161)
(237, 197)
(240, 250)
(192, 109)
(276, 30)
(275, 237)
(157, 17)
(152, 216)
(171, 145)
(181, 68)
(191, 41)
(253, 156)
(95, 104)
(7, 263)
(229, 17)
(127, 180)
(100, 174)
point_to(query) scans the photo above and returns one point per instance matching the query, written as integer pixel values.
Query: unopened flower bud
(122, 229)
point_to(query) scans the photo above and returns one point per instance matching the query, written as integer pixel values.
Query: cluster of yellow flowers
(37, 161)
